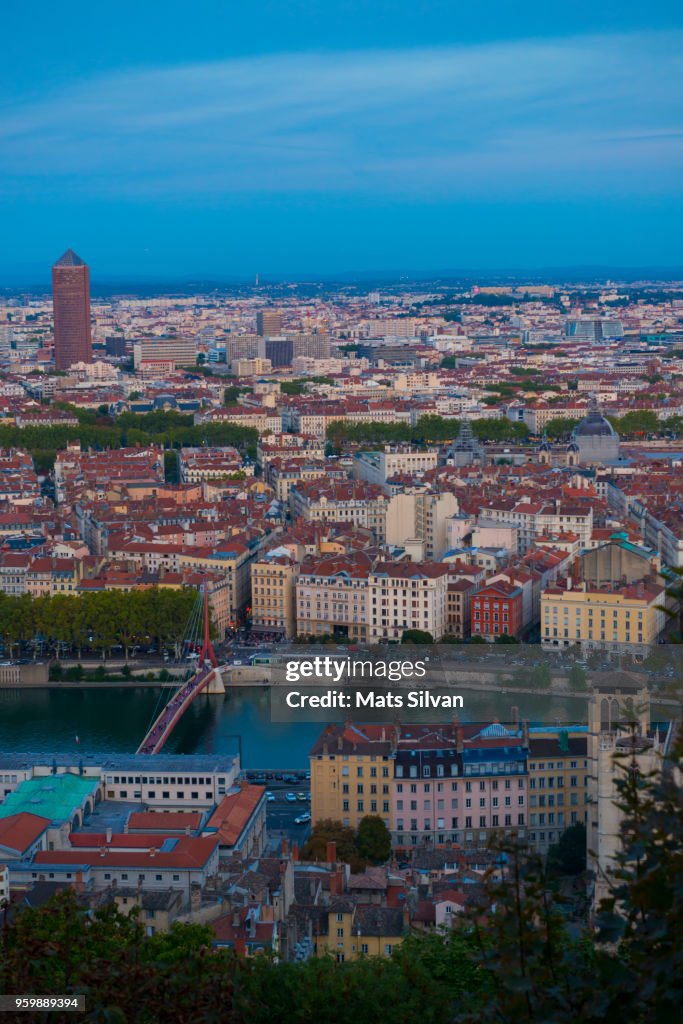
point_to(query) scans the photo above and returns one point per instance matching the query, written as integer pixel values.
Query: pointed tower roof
(70, 259)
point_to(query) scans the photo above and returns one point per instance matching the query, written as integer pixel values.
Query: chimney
(295, 851)
(284, 846)
(459, 740)
(525, 732)
(331, 852)
(337, 881)
(235, 918)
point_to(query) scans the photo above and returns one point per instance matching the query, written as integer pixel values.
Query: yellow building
(356, 930)
(559, 781)
(273, 593)
(618, 618)
(47, 575)
(351, 774)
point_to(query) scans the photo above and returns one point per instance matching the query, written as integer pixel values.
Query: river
(109, 720)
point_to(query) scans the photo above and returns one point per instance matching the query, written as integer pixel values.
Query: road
(281, 813)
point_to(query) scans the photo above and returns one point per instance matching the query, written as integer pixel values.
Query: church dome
(594, 425)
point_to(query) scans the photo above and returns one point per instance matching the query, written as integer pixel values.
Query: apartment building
(558, 786)
(450, 787)
(197, 464)
(355, 930)
(620, 618)
(459, 607)
(347, 501)
(497, 610)
(394, 460)
(173, 351)
(424, 514)
(351, 773)
(49, 575)
(539, 518)
(285, 473)
(332, 596)
(407, 595)
(273, 593)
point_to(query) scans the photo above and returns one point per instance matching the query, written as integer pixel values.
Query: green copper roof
(55, 797)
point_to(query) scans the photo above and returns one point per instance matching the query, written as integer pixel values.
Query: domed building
(595, 438)
(594, 441)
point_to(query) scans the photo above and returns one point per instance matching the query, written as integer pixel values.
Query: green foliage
(97, 620)
(171, 469)
(560, 427)
(429, 429)
(329, 831)
(541, 676)
(299, 387)
(578, 679)
(373, 839)
(568, 855)
(168, 429)
(416, 636)
(641, 421)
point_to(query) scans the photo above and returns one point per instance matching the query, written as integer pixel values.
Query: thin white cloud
(549, 115)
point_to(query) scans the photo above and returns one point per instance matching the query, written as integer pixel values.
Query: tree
(578, 679)
(505, 638)
(568, 856)
(416, 636)
(541, 676)
(329, 831)
(373, 839)
(640, 421)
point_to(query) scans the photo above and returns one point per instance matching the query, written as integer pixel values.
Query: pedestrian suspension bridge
(207, 678)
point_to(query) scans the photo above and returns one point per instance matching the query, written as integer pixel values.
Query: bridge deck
(164, 725)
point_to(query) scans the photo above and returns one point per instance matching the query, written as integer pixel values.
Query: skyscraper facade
(268, 322)
(71, 302)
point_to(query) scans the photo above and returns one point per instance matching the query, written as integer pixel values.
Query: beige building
(424, 515)
(176, 351)
(559, 785)
(250, 367)
(407, 595)
(625, 618)
(332, 597)
(395, 460)
(345, 501)
(273, 593)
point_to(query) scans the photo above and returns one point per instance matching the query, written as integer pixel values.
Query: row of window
(440, 823)
(164, 780)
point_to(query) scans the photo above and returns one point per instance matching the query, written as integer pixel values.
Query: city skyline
(313, 147)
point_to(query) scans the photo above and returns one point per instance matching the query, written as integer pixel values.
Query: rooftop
(54, 797)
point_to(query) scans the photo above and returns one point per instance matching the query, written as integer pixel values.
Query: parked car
(303, 819)
(301, 796)
(291, 798)
(270, 798)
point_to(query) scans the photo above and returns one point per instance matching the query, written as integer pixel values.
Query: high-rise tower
(71, 301)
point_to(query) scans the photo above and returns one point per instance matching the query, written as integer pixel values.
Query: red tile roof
(19, 832)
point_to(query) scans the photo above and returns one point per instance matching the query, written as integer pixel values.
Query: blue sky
(302, 137)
